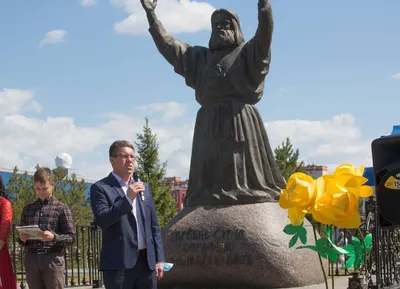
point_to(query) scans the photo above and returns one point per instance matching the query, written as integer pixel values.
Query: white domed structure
(64, 160)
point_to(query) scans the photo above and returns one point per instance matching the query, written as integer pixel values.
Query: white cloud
(396, 76)
(325, 142)
(41, 140)
(175, 144)
(176, 16)
(25, 141)
(169, 110)
(340, 127)
(17, 100)
(87, 3)
(53, 37)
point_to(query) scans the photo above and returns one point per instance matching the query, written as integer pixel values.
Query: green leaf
(290, 229)
(321, 243)
(350, 250)
(358, 262)
(356, 241)
(323, 255)
(349, 262)
(303, 235)
(338, 250)
(332, 256)
(368, 242)
(311, 247)
(293, 240)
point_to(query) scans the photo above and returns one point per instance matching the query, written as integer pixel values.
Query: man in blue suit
(132, 254)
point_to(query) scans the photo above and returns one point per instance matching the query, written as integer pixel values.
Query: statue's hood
(236, 24)
(225, 11)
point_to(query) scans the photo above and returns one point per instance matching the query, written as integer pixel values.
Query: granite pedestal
(241, 246)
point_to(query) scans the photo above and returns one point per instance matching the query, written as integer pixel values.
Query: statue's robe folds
(232, 161)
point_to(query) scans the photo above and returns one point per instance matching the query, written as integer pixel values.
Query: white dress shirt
(138, 215)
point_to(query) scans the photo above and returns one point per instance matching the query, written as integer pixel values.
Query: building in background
(6, 174)
(315, 171)
(63, 160)
(179, 189)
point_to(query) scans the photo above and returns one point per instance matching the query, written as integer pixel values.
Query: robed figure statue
(232, 161)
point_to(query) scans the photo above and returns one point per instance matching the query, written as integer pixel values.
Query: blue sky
(75, 77)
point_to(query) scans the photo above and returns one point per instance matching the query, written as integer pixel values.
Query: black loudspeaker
(386, 163)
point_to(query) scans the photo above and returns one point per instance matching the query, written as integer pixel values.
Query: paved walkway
(340, 283)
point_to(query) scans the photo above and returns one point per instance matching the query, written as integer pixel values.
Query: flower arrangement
(332, 200)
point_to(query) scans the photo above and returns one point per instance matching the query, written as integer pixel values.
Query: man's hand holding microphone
(134, 189)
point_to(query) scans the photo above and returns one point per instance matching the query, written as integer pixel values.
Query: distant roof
(8, 172)
(12, 170)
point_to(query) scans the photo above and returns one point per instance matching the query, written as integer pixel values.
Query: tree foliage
(72, 192)
(153, 172)
(287, 159)
(20, 188)
(68, 190)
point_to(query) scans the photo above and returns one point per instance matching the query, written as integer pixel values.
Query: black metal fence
(81, 258)
(383, 262)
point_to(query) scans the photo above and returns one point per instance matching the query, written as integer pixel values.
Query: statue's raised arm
(265, 28)
(149, 6)
(173, 50)
(257, 51)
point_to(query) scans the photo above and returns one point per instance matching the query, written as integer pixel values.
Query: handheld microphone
(135, 176)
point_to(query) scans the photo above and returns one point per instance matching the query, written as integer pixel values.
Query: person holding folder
(44, 259)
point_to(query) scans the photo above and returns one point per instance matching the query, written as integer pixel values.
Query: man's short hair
(42, 175)
(119, 144)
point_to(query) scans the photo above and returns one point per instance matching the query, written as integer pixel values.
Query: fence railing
(338, 268)
(383, 262)
(81, 258)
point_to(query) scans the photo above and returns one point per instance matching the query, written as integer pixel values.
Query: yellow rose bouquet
(332, 200)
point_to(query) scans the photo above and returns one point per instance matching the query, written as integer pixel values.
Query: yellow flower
(349, 169)
(298, 197)
(335, 204)
(351, 177)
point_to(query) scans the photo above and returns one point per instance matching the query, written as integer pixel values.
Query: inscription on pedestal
(219, 247)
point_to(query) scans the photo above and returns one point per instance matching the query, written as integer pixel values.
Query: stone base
(241, 246)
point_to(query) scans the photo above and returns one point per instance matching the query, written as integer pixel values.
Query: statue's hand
(149, 5)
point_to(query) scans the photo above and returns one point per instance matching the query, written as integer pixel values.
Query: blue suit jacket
(113, 214)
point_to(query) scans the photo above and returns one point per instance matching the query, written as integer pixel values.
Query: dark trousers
(140, 277)
(46, 271)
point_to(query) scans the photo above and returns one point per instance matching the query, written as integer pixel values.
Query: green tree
(68, 190)
(72, 192)
(153, 172)
(20, 188)
(287, 159)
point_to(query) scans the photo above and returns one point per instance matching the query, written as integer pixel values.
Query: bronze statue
(232, 161)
